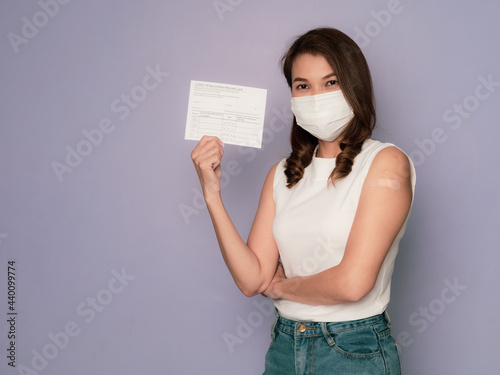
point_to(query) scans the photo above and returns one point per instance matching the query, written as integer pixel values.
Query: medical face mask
(325, 115)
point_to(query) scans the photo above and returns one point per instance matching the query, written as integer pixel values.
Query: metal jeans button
(301, 328)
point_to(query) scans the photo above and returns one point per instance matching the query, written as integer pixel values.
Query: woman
(333, 212)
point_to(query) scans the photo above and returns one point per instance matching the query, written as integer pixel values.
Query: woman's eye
(302, 86)
(332, 83)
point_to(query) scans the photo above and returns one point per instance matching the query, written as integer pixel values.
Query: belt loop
(273, 327)
(387, 318)
(328, 337)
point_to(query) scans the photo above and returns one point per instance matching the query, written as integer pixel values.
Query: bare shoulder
(272, 171)
(273, 168)
(392, 159)
(390, 168)
(268, 184)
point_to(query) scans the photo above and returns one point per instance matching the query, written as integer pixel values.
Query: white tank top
(311, 226)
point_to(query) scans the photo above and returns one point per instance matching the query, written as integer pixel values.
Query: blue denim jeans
(361, 347)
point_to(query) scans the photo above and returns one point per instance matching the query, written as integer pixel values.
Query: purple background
(131, 204)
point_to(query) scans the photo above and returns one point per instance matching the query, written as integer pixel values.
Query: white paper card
(233, 113)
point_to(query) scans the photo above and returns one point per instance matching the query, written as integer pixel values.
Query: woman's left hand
(272, 290)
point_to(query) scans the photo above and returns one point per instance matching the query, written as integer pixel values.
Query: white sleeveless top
(311, 226)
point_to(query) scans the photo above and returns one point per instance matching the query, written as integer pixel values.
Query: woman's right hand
(207, 156)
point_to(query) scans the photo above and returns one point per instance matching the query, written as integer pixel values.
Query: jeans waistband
(308, 328)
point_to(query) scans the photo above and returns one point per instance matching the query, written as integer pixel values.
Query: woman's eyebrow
(330, 75)
(299, 79)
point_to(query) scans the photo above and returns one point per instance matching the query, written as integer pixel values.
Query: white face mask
(325, 115)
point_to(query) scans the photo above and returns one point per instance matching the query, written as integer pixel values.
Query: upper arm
(261, 239)
(383, 207)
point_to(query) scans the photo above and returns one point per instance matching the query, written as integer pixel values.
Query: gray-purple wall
(115, 268)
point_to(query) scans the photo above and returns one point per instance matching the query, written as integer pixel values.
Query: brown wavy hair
(354, 79)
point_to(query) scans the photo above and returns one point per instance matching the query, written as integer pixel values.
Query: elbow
(354, 296)
(357, 290)
(353, 283)
(249, 292)
(253, 290)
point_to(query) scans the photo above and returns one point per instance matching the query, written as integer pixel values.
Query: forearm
(252, 266)
(331, 287)
(241, 261)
